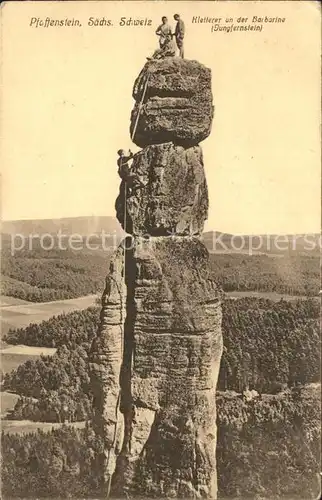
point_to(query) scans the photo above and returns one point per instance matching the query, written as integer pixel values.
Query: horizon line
(114, 217)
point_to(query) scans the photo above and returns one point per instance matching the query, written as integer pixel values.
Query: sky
(66, 104)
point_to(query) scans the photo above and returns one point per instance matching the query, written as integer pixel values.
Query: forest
(61, 463)
(287, 274)
(21, 290)
(270, 447)
(71, 329)
(40, 275)
(268, 346)
(55, 388)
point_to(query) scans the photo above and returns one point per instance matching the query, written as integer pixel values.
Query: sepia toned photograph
(160, 250)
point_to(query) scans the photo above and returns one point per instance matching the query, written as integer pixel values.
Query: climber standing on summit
(164, 32)
(165, 35)
(179, 34)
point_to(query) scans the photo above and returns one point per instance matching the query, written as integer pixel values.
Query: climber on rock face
(124, 170)
(123, 161)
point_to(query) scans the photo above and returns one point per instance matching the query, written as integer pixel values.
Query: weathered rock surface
(174, 329)
(171, 196)
(105, 362)
(157, 353)
(178, 103)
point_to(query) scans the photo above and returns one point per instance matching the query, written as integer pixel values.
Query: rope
(121, 296)
(140, 107)
(124, 223)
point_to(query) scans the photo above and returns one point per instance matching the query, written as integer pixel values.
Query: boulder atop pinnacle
(177, 104)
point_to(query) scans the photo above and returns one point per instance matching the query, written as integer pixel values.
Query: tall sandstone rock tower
(155, 360)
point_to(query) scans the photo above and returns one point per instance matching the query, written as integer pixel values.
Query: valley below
(269, 371)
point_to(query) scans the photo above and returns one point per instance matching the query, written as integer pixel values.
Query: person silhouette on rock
(124, 170)
(165, 35)
(179, 34)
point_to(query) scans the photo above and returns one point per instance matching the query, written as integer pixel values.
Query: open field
(21, 314)
(18, 314)
(26, 426)
(8, 401)
(11, 301)
(26, 350)
(11, 362)
(267, 295)
(13, 356)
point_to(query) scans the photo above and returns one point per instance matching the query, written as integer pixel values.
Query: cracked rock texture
(178, 103)
(175, 332)
(105, 365)
(155, 361)
(172, 195)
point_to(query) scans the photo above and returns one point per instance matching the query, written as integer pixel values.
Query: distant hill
(69, 225)
(219, 242)
(215, 241)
